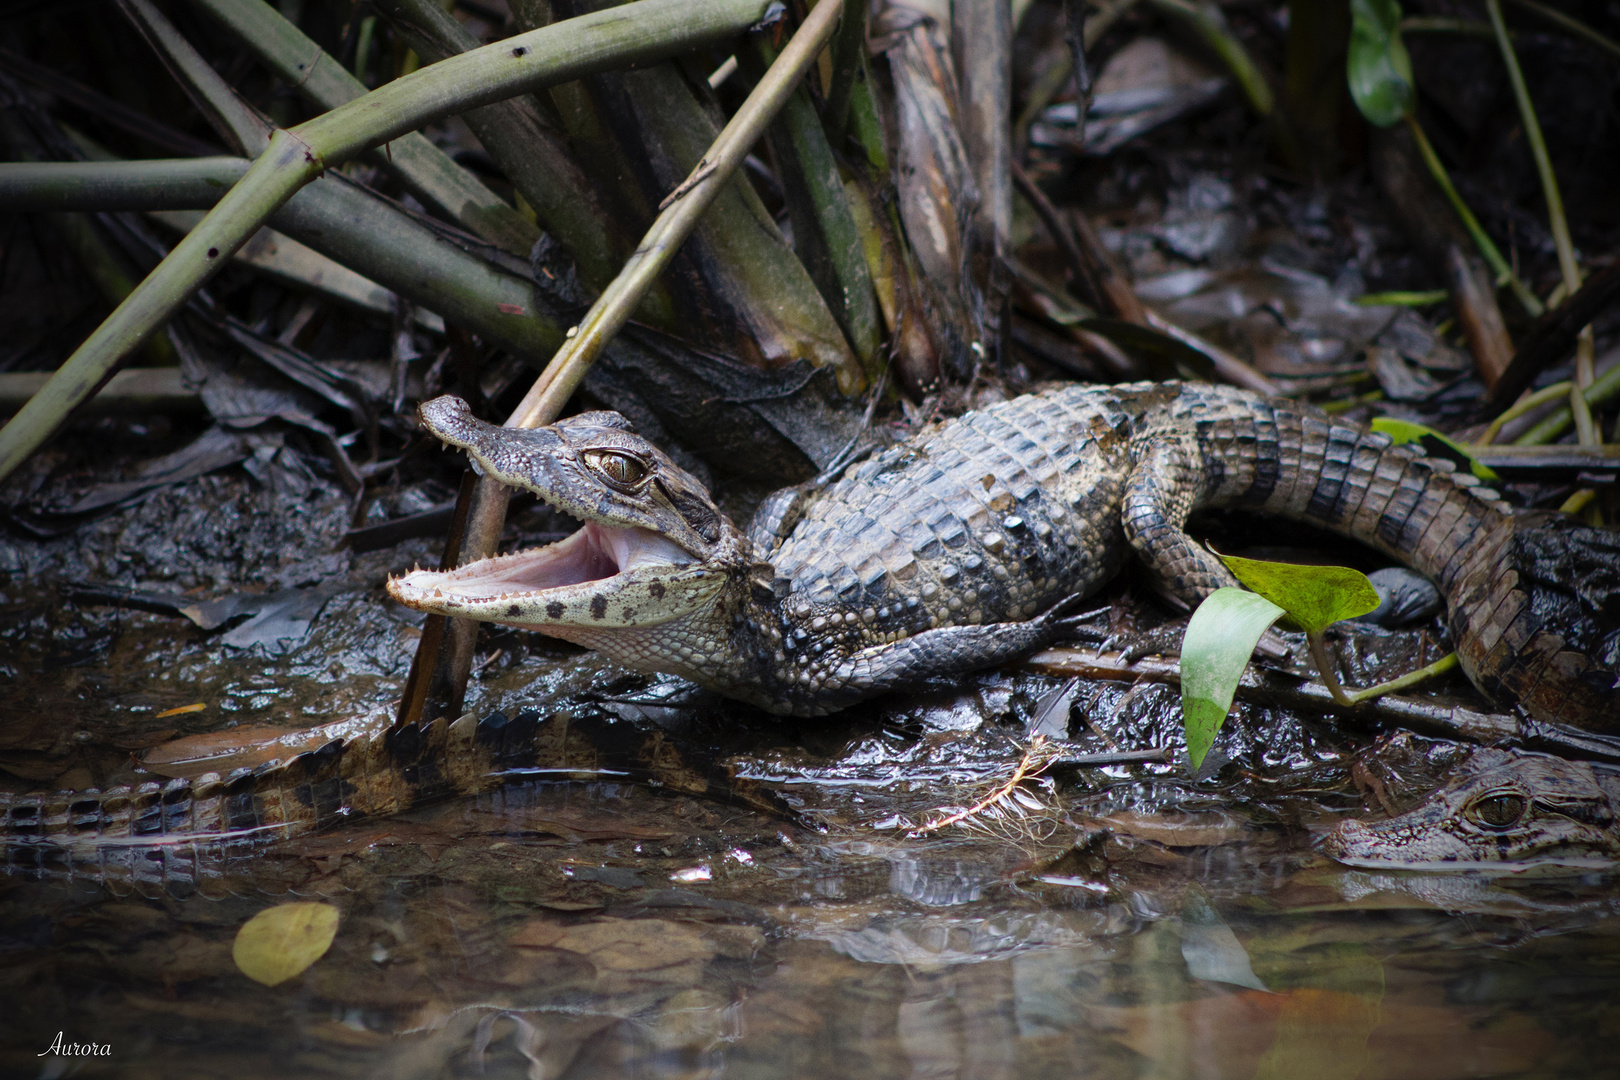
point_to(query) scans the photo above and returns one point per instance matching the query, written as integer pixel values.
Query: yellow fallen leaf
(282, 941)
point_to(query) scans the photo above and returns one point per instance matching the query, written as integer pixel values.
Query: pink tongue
(598, 564)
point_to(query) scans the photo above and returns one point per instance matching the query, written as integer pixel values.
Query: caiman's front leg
(944, 650)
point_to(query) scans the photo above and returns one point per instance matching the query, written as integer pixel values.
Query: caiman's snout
(644, 556)
(1350, 840)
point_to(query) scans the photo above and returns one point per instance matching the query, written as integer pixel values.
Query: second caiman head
(654, 572)
(1499, 810)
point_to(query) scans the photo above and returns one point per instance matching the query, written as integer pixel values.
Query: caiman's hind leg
(1166, 484)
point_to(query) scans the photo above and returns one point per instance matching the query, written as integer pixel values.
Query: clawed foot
(1063, 625)
(1160, 641)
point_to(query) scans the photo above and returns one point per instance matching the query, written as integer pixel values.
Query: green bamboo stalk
(534, 157)
(1487, 247)
(168, 184)
(849, 55)
(635, 33)
(824, 231)
(284, 167)
(339, 219)
(425, 170)
(243, 130)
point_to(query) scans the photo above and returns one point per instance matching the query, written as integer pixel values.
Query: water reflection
(479, 940)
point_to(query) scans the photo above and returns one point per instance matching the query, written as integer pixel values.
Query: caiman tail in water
(958, 548)
(199, 836)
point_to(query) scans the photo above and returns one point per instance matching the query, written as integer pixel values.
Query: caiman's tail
(1535, 612)
(204, 836)
(1534, 603)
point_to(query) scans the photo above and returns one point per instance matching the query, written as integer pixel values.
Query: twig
(1035, 760)
(1552, 337)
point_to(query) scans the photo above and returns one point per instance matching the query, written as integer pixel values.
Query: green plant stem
(1412, 678)
(824, 231)
(1519, 408)
(284, 167)
(532, 155)
(81, 237)
(1538, 150)
(1601, 392)
(1574, 26)
(1325, 668)
(341, 220)
(1439, 24)
(1206, 20)
(425, 170)
(1487, 247)
(368, 27)
(634, 33)
(866, 125)
(1557, 222)
(168, 184)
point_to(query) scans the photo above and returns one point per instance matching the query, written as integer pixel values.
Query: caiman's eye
(1499, 811)
(621, 470)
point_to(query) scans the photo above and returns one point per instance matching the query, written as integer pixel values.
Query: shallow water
(571, 930)
(1127, 921)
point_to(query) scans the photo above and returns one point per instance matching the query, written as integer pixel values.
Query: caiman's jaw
(646, 554)
(600, 576)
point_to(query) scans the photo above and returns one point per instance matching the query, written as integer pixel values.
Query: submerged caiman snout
(652, 548)
(1501, 810)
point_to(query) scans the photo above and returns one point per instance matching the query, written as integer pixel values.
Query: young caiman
(962, 547)
(1499, 810)
(955, 550)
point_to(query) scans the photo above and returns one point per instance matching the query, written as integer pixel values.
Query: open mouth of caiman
(570, 581)
(633, 562)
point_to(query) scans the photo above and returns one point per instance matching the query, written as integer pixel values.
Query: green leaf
(1380, 71)
(1315, 597)
(282, 941)
(1220, 638)
(1434, 444)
